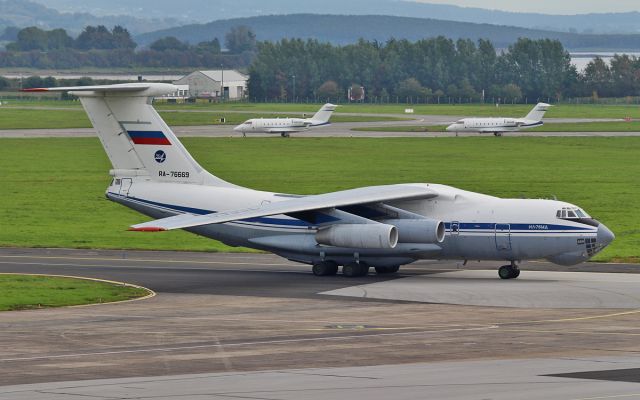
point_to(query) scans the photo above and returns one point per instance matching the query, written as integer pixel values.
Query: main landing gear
(325, 268)
(509, 271)
(354, 269)
(387, 270)
(351, 270)
(284, 134)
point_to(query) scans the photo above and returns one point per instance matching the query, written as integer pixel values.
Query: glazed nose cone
(605, 236)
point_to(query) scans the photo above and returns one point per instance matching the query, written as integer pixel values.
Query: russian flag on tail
(149, 137)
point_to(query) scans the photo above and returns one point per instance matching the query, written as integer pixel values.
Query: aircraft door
(503, 237)
(125, 185)
(455, 228)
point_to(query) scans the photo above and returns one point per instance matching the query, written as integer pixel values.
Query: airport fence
(629, 100)
(452, 100)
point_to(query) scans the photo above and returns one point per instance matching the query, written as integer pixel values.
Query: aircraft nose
(449, 128)
(237, 128)
(605, 236)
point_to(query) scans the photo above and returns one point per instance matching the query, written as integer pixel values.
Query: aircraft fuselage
(478, 227)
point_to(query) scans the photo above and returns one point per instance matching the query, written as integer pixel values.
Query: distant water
(580, 60)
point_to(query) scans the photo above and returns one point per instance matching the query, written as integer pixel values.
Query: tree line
(427, 70)
(433, 69)
(98, 46)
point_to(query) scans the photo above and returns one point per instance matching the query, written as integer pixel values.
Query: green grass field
(53, 189)
(21, 118)
(633, 126)
(24, 292)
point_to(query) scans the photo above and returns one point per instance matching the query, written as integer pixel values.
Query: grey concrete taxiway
(554, 378)
(340, 129)
(256, 326)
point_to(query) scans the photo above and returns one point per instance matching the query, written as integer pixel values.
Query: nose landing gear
(509, 271)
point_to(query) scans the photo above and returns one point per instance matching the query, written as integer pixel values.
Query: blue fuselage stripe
(199, 211)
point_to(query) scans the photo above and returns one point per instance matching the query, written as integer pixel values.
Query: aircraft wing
(286, 129)
(366, 195)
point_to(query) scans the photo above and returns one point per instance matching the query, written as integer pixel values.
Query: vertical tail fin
(136, 139)
(323, 115)
(538, 112)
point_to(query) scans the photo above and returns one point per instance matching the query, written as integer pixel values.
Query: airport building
(211, 84)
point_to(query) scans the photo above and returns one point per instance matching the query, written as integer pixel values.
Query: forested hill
(345, 29)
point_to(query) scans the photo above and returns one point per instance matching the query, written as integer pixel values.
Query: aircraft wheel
(355, 269)
(283, 134)
(325, 268)
(364, 269)
(387, 270)
(508, 272)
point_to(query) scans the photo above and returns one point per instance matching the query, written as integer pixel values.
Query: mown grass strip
(22, 118)
(24, 292)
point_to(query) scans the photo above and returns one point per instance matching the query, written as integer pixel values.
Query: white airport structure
(213, 83)
(383, 227)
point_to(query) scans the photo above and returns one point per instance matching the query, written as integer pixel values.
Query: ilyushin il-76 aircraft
(285, 126)
(498, 126)
(383, 227)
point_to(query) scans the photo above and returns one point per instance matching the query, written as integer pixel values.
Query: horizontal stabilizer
(366, 195)
(139, 89)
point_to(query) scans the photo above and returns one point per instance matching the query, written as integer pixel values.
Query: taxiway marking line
(146, 260)
(571, 332)
(541, 321)
(256, 343)
(615, 396)
(293, 270)
(152, 267)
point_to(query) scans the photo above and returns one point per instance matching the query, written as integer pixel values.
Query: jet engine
(418, 230)
(362, 236)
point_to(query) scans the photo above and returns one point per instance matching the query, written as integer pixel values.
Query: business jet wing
(344, 198)
(494, 129)
(286, 129)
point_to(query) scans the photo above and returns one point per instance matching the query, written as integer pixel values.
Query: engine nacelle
(418, 230)
(363, 236)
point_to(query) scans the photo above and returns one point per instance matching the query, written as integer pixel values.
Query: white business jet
(382, 227)
(499, 125)
(285, 126)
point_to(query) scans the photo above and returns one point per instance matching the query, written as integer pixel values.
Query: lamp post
(222, 82)
(294, 88)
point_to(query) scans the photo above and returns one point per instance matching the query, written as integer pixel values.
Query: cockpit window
(571, 213)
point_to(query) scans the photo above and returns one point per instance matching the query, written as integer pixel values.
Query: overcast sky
(548, 6)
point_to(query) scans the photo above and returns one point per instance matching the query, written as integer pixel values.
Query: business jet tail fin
(538, 112)
(323, 115)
